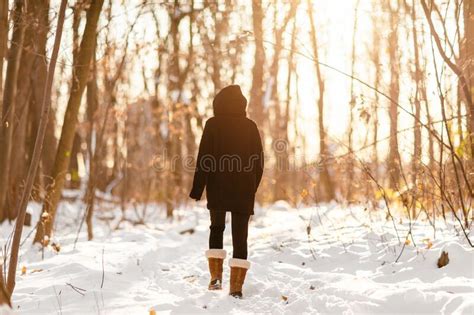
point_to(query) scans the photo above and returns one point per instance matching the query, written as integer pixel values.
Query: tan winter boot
(215, 258)
(238, 270)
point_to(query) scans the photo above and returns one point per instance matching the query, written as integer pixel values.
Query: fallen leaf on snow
(56, 247)
(443, 259)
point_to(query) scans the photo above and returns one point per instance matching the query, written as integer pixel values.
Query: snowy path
(346, 265)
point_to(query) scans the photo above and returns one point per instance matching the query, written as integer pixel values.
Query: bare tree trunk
(394, 91)
(172, 142)
(21, 210)
(285, 155)
(18, 165)
(256, 92)
(221, 23)
(3, 40)
(39, 77)
(40, 69)
(279, 131)
(326, 181)
(80, 77)
(468, 60)
(30, 87)
(375, 58)
(431, 153)
(95, 167)
(92, 107)
(416, 159)
(7, 123)
(4, 296)
(177, 114)
(74, 182)
(352, 103)
(461, 47)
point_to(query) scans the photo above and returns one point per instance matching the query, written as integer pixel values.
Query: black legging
(240, 227)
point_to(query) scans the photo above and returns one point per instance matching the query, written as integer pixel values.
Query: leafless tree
(326, 181)
(33, 167)
(80, 77)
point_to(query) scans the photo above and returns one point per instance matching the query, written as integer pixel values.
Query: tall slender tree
(326, 181)
(468, 62)
(3, 39)
(458, 13)
(9, 104)
(375, 50)
(79, 80)
(352, 103)
(393, 162)
(288, 180)
(417, 76)
(277, 131)
(33, 167)
(176, 123)
(256, 92)
(30, 88)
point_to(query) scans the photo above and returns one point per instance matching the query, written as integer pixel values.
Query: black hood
(230, 101)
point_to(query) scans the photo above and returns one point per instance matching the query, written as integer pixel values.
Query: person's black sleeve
(259, 165)
(201, 173)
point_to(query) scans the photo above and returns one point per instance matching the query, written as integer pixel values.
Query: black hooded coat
(230, 159)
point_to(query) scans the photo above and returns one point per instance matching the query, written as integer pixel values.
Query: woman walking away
(230, 167)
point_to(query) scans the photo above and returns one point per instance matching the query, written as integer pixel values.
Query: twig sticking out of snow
(103, 269)
(77, 289)
(58, 299)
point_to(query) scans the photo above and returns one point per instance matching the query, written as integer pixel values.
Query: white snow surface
(346, 264)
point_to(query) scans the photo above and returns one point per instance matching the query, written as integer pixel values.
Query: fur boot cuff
(240, 263)
(216, 253)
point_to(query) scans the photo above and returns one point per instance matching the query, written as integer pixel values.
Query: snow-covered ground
(343, 263)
